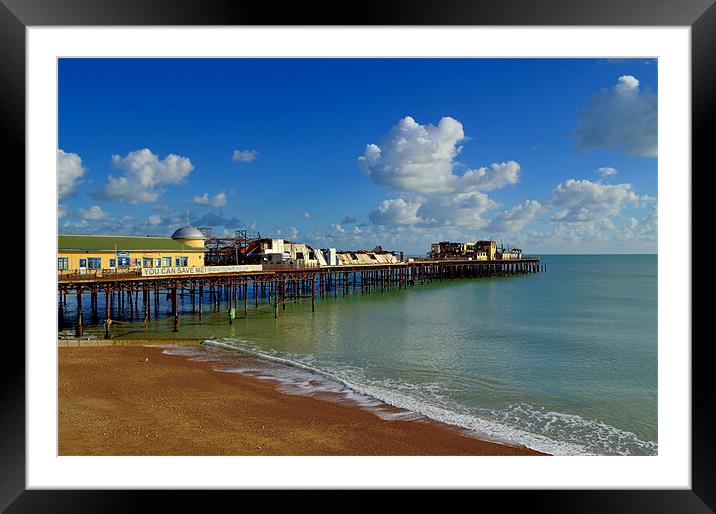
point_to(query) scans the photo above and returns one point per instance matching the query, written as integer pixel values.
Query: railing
(285, 266)
(91, 274)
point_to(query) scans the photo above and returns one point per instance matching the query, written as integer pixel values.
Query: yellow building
(101, 253)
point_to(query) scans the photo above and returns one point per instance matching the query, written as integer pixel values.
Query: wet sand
(139, 401)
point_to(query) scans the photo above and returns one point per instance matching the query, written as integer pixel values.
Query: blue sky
(553, 155)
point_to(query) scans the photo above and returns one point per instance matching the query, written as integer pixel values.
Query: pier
(129, 295)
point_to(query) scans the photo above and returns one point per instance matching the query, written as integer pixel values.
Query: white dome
(188, 233)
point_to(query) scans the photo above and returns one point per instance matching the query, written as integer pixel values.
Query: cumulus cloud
(458, 210)
(244, 155)
(69, 172)
(154, 219)
(583, 200)
(94, 213)
(417, 158)
(622, 118)
(515, 219)
(396, 212)
(142, 175)
(62, 211)
(218, 200)
(494, 177)
(336, 227)
(606, 171)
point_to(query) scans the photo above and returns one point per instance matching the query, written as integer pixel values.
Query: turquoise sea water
(564, 361)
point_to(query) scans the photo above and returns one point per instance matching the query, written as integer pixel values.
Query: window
(123, 262)
(112, 263)
(182, 261)
(83, 263)
(299, 255)
(94, 263)
(372, 256)
(147, 262)
(311, 255)
(158, 263)
(166, 262)
(63, 263)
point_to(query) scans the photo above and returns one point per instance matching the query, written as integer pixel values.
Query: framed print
(416, 247)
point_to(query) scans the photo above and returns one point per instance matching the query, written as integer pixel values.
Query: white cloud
(622, 119)
(94, 213)
(606, 171)
(244, 155)
(583, 200)
(396, 212)
(143, 174)
(458, 210)
(417, 158)
(495, 177)
(218, 200)
(62, 211)
(154, 219)
(517, 218)
(306, 215)
(69, 172)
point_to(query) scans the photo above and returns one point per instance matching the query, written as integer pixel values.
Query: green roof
(105, 243)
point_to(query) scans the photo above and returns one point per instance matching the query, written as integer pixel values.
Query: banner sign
(200, 270)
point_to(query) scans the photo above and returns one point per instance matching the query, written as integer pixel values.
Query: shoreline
(123, 398)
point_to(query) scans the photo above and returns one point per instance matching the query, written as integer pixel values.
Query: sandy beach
(135, 400)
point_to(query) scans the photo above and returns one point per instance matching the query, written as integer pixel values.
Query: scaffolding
(225, 251)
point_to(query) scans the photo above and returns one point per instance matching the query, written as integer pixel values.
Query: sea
(564, 361)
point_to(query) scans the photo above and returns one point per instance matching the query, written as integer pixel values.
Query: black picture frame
(700, 15)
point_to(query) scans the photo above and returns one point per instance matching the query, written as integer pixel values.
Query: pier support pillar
(107, 311)
(313, 294)
(274, 285)
(145, 302)
(175, 308)
(201, 302)
(79, 330)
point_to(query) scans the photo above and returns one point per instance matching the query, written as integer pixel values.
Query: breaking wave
(519, 424)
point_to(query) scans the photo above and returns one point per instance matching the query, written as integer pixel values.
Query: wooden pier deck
(274, 285)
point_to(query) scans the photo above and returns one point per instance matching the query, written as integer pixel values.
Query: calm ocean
(564, 361)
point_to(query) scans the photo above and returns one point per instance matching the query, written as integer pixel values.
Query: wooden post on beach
(175, 307)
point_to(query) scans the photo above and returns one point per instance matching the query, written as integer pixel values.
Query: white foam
(520, 424)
